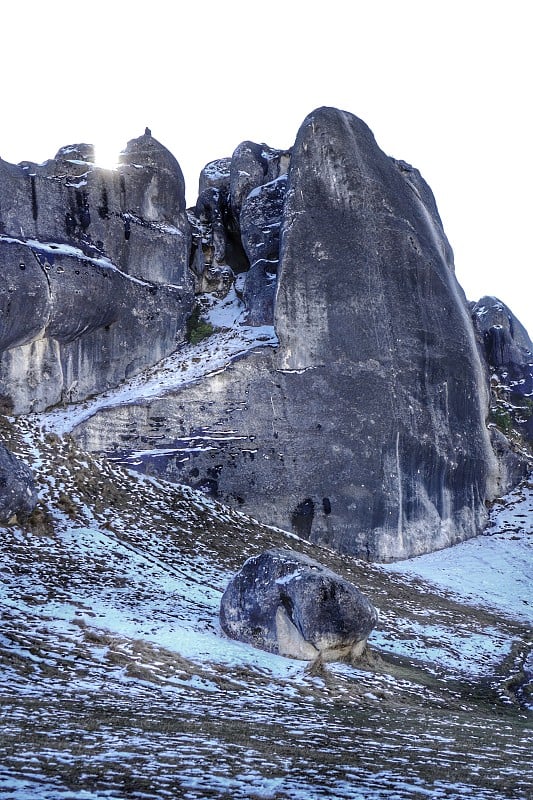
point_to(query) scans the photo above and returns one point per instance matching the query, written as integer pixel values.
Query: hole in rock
(302, 518)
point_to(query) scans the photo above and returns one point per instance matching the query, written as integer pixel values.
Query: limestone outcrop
(405, 448)
(507, 347)
(286, 603)
(365, 429)
(236, 226)
(18, 495)
(508, 353)
(95, 263)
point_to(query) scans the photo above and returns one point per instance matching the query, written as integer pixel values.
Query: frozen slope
(494, 570)
(116, 681)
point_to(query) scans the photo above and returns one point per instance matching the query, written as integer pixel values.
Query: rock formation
(365, 429)
(236, 225)
(287, 603)
(508, 353)
(18, 495)
(95, 263)
(508, 348)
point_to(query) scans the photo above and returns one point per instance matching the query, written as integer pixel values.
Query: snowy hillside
(116, 680)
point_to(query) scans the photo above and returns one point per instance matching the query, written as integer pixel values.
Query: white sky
(443, 85)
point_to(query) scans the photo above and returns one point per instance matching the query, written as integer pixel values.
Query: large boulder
(287, 603)
(95, 282)
(18, 494)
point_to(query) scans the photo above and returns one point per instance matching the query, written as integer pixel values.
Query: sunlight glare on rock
(106, 154)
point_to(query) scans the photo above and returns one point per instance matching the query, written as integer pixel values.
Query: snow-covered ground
(116, 680)
(494, 570)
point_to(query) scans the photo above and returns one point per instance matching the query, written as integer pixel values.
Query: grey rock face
(407, 391)
(18, 495)
(95, 261)
(253, 165)
(236, 224)
(368, 423)
(211, 245)
(260, 223)
(508, 352)
(287, 603)
(508, 348)
(514, 464)
(215, 174)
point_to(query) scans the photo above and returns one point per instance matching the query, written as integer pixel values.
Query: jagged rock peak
(75, 154)
(508, 346)
(215, 174)
(236, 224)
(167, 179)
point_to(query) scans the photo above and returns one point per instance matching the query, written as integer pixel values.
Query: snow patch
(493, 569)
(188, 364)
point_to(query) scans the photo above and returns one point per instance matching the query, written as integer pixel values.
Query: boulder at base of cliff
(286, 603)
(18, 495)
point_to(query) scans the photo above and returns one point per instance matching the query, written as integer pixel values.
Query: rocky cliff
(95, 283)
(364, 428)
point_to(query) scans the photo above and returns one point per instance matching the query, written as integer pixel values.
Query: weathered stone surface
(215, 174)
(514, 463)
(508, 348)
(134, 215)
(260, 223)
(287, 603)
(407, 449)
(253, 165)
(95, 263)
(236, 224)
(508, 353)
(18, 495)
(368, 424)
(211, 243)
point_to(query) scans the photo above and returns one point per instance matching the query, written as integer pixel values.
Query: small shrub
(501, 418)
(196, 327)
(40, 522)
